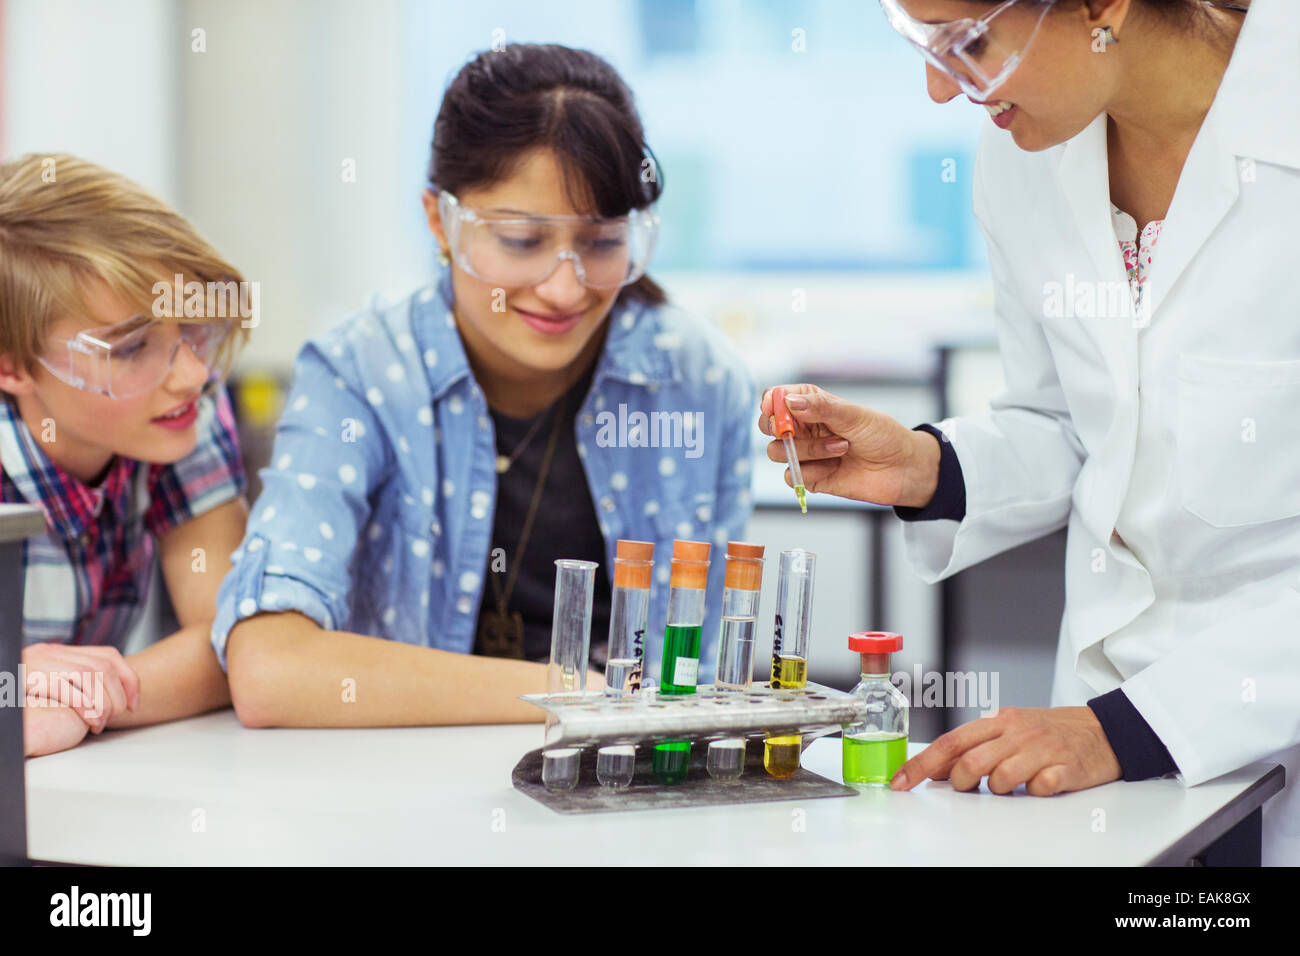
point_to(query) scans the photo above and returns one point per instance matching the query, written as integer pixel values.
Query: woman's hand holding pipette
(854, 452)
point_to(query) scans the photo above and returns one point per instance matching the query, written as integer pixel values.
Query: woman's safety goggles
(135, 356)
(518, 251)
(980, 54)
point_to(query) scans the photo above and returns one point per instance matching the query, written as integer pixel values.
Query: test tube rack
(594, 719)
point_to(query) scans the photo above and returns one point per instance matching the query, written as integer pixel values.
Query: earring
(443, 258)
(1107, 37)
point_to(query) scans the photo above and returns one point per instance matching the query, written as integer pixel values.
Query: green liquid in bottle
(872, 759)
(681, 659)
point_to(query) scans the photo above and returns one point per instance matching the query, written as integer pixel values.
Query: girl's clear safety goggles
(979, 54)
(132, 357)
(518, 251)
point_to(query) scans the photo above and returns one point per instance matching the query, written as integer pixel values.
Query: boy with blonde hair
(113, 420)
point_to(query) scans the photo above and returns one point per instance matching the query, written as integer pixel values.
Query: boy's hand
(94, 682)
(49, 728)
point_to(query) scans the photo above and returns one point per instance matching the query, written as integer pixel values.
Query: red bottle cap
(875, 642)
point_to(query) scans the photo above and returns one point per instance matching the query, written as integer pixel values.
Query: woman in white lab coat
(1138, 189)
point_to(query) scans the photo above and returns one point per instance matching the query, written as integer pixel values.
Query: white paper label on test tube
(686, 670)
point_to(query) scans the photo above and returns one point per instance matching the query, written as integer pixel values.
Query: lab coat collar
(1253, 118)
(1259, 117)
(1085, 180)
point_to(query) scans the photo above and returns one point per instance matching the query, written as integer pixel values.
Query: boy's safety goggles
(517, 251)
(979, 54)
(130, 358)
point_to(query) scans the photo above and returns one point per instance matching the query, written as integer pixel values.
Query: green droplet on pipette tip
(803, 498)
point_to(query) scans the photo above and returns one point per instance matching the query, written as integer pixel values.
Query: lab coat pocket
(1239, 439)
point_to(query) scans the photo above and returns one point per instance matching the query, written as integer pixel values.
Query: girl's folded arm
(287, 671)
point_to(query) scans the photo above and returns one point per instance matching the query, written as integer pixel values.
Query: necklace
(504, 462)
(501, 631)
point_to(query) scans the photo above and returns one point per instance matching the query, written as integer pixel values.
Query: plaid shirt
(89, 575)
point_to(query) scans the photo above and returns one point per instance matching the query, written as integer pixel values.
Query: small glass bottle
(876, 746)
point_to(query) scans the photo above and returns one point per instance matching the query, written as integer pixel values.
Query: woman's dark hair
(1184, 13)
(506, 102)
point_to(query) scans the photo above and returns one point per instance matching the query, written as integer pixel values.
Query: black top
(565, 525)
(1141, 754)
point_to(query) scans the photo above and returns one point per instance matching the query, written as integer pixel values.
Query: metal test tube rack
(591, 718)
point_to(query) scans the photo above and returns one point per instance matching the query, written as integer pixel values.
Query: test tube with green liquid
(681, 660)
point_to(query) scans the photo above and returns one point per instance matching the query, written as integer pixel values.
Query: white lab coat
(1168, 442)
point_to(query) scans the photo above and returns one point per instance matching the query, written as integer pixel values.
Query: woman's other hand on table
(1049, 750)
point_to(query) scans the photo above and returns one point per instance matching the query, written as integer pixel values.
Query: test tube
(629, 609)
(739, 616)
(671, 761)
(726, 761)
(792, 625)
(791, 630)
(560, 768)
(615, 766)
(690, 576)
(571, 626)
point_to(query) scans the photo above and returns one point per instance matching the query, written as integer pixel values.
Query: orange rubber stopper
(745, 566)
(690, 564)
(633, 562)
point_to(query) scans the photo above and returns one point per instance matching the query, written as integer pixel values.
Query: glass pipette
(783, 425)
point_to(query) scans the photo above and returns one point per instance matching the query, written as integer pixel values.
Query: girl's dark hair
(506, 102)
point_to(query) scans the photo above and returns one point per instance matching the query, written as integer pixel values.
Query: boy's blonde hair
(65, 221)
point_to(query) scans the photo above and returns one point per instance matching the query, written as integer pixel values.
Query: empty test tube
(629, 610)
(744, 578)
(560, 768)
(616, 766)
(571, 626)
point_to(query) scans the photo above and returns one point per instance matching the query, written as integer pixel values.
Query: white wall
(97, 80)
(284, 94)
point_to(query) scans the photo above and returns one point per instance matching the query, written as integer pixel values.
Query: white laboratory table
(207, 791)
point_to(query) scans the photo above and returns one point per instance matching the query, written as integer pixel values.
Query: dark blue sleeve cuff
(1138, 749)
(949, 499)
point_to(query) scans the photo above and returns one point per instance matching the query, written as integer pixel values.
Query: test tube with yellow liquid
(791, 630)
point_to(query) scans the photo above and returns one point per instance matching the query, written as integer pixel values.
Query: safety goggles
(979, 54)
(130, 358)
(514, 252)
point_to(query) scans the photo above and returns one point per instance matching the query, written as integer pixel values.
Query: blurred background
(817, 209)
